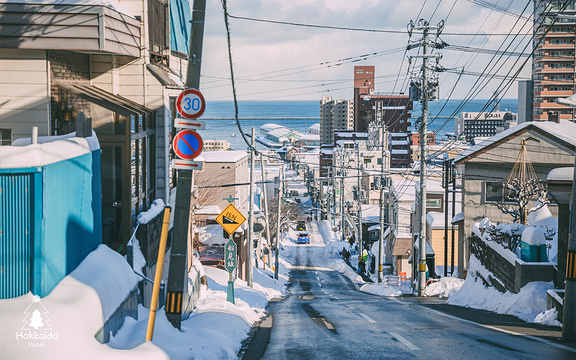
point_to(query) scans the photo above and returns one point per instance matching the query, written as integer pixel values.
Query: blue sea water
(299, 115)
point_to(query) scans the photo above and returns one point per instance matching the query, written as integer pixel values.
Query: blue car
(303, 238)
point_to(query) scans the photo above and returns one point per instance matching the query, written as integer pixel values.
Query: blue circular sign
(187, 144)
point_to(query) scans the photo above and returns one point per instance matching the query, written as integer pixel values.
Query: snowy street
(324, 316)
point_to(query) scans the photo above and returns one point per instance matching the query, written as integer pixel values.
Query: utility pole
(569, 321)
(426, 93)
(381, 243)
(359, 197)
(446, 184)
(266, 211)
(342, 200)
(177, 286)
(249, 270)
(276, 252)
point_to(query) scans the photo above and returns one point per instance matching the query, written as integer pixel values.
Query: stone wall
(508, 276)
(503, 270)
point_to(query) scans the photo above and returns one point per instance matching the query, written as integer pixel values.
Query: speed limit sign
(190, 104)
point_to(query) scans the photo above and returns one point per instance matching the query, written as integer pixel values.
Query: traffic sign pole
(177, 286)
(230, 265)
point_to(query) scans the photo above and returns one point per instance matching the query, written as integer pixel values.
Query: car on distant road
(303, 238)
(301, 225)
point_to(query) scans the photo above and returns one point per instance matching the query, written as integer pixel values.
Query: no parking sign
(187, 144)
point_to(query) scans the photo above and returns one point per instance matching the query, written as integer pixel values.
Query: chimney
(553, 116)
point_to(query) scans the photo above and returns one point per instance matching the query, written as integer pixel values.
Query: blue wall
(57, 227)
(72, 219)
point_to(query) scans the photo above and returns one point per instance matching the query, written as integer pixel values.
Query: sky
(283, 62)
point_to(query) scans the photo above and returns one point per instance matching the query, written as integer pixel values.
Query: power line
(387, 31)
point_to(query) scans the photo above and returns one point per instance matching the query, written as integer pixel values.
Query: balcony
(554, 94)
(95, 29)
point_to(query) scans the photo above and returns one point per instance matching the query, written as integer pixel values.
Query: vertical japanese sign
(230, 256)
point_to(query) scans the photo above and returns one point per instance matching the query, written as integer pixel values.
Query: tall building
(334, 115)
(553, 65)
(393, 110)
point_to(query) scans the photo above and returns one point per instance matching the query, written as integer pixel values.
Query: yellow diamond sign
(230, 219)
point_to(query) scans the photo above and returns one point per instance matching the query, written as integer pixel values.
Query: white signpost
(187, 164)
(180, 123)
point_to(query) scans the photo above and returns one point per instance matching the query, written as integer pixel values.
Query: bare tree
(521, 193)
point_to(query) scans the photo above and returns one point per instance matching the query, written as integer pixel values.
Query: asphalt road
(325, 317)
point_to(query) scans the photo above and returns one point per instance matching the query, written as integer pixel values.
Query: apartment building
(553, 65)
(335, 115)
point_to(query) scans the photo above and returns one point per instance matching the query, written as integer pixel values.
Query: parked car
(303, 238)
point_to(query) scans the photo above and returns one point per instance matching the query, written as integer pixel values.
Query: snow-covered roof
(280, 132)
(225, 156)
(561, 174)
(209, 210)
(212, 235)
(458, 217)
(48, 150)
(270, 127)
(563, 132)
(314, 127)
(307, 136)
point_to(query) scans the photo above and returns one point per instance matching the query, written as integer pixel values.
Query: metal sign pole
(178, 270)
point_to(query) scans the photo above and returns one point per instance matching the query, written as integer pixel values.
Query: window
(433, 203)
(5, 137)
(493, 191)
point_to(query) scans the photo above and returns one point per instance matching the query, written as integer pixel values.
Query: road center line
(407, 343)
(367, 317)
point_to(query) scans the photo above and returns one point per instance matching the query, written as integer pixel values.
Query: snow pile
(382, 290)
(444, 287)
(74, 312)
(48, 150)
(526, 305)
(216, 329)
(548, 317)
(155, 209)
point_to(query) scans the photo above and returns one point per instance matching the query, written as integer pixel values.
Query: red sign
(187, 144)
(190, 104)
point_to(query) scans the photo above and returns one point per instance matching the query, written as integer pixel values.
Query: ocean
(300, 114)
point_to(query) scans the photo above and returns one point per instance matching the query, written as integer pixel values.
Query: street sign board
(180, 123)
(190, 104)
(187, 144)
(230, 256)
(230, 219)
(186, 164)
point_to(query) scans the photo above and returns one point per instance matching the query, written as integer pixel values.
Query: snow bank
(72, 313)
(444, 287)
(216, 329)
(381, 290)
(109, 274)
(526, 305)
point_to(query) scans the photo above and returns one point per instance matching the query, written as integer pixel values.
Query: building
(430, 138)
(216, 145)
(392, 110)
(223, 168)
(334, 115)
(486, 166)
(553, 64)
(314, 129)
(119, 64)
(483, 124)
